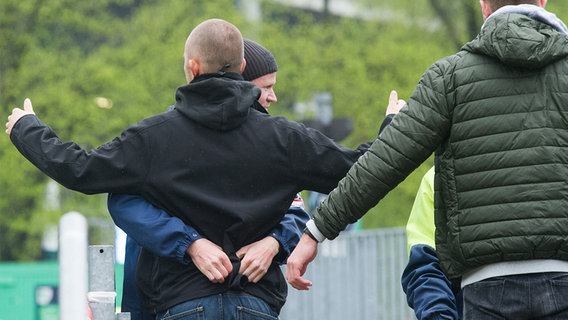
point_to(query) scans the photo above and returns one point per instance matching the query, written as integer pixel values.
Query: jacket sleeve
(152, 228)
(290, 229)
(413, 135)
(168, 236)
(428, 291)
(108, 168)
(363, 147)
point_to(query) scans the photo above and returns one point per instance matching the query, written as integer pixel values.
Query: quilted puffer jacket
(496, 114)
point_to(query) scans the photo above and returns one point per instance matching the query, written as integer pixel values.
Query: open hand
(297, 264)
(18, 113)
(395, 104)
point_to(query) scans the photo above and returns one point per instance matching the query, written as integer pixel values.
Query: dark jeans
(542, 296)
(227, 306)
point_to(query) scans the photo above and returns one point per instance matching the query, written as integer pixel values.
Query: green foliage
(66, 54)
(359, 62)
(70, 54)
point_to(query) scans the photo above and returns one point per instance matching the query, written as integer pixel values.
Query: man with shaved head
(169, 237)
(212, 46)
(205, 163)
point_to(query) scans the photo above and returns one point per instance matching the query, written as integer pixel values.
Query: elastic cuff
(190, 237)
(181, 254)
(314, 231)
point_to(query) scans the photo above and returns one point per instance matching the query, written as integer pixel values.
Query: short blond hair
(217, 44)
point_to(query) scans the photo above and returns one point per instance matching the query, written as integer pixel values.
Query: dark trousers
(542, 296)
(226, 306)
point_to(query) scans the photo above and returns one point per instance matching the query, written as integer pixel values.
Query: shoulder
(278, 123)
(155, 121)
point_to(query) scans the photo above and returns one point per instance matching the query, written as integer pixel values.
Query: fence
(355, 277)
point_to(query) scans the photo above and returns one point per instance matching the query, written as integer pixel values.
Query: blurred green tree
(92, 68)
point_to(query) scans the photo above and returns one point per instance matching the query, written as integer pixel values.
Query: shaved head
(216, 45)
(490, 6)
(496, 4)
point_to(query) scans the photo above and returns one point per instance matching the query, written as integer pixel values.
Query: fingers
(17, 113)
(257, 257)
(210, 259)
(8, 126)
(297, 264)
(242, 252)
(227, 265)
(216, 270)
(253, 269)
(294, 275)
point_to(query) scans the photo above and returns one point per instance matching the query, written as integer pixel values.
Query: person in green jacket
(495, 114)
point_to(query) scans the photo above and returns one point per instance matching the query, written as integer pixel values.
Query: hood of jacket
(218, 101)
(520, 41)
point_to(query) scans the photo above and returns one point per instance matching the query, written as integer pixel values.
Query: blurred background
(91, 68)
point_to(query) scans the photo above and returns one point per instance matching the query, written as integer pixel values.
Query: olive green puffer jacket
(496, 113)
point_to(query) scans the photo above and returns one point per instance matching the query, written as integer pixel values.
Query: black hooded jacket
(213, 161)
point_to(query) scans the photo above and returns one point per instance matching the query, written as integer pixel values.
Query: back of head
(260, 61)
(496, 4)
(217, 45)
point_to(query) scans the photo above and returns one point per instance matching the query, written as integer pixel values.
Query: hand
(257, 257)
(17, 113)
(395, 104)
(304, 253)
(210, 259)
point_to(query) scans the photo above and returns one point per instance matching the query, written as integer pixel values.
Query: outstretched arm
(306, 250)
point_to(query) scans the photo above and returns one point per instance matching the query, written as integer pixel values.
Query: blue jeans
(525, 296)
(226, 306)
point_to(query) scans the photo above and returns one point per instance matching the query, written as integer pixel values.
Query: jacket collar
(519, 40)
(219, 101)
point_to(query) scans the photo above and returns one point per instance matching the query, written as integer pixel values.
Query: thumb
(393, 98)
(28, 105)
(240, 253)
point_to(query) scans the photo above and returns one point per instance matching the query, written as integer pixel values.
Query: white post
(73, 266)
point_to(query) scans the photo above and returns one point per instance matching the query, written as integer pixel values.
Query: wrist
(313, 231)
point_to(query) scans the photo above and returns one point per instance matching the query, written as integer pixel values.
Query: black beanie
(260, 61)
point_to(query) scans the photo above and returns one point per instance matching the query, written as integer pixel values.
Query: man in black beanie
(261, 70)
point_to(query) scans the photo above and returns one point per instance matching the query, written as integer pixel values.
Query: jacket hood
(217, 101)
(519, 41)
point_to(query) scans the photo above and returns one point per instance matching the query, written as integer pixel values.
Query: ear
(191, 69)
(243, 66)
(194, 67)
(485, 9)
(543, 3)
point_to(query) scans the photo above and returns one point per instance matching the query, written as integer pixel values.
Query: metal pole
(102, 294)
